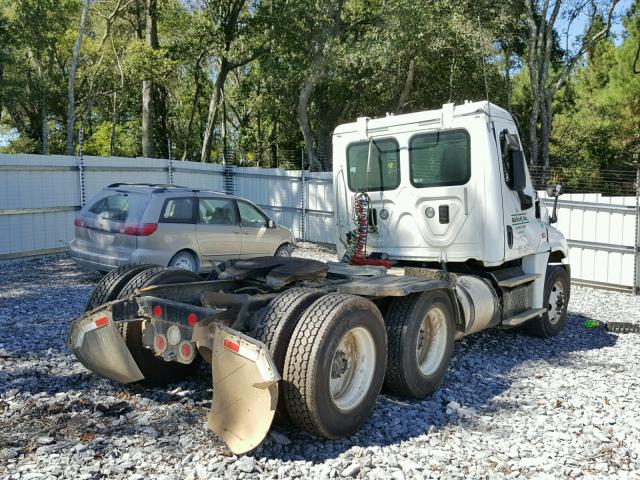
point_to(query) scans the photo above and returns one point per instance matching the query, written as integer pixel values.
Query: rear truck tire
(154, 369)
(274, 327)
(185, 261)
(557, 291)
(335, 365)
(110, 285)
(283, 251)
(420, 330)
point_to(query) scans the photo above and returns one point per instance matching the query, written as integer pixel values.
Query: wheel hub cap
(352, 368)
(556, 302)
(432, 341)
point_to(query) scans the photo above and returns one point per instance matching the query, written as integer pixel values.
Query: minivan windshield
(383, 172)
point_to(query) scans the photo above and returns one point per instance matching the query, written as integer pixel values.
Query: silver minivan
(173, 226)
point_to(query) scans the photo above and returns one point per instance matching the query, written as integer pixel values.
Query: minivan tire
(184, 261)
(154, 369)
(283, 251)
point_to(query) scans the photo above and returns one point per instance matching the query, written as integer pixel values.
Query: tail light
(143, 230)
(79, 222)
(186, 351)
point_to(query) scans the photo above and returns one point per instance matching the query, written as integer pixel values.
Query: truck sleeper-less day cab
(448, 200)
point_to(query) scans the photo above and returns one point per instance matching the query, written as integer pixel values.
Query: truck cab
(448, 185)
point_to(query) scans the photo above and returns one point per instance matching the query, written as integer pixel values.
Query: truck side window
(380, 171)
(440, 159)
(504, 149)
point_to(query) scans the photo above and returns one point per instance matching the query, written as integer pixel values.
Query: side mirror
(271, 224)
(554, 192)
(518, 170)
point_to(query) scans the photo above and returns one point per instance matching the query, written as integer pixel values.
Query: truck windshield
(440, 159)
(384, 167)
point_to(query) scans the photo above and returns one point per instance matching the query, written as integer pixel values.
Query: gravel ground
(510, 406)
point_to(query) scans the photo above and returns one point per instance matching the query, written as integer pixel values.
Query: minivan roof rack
(141, 184)
(161, 187)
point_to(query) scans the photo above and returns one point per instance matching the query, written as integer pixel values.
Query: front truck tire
(420, 329)
(274, 326)
(334, 365)
(154, 369)
(110, 285)
(557, 291)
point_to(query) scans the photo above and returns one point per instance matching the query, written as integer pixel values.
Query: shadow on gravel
(484, 365)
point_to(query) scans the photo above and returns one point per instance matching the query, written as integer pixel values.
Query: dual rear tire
(122, 283)
(337, 357)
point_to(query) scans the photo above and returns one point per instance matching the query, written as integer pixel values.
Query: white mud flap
(245, 389)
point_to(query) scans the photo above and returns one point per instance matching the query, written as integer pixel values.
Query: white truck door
(521, 235)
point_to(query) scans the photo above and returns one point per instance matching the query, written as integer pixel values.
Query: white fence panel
(40, 194)
(601, 232)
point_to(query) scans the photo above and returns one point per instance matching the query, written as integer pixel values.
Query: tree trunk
(303, 115)
(73, 68)
(408, 85)
(148, 144)
(194, 106)
(44, 128)
(114, 111)
(214, 104)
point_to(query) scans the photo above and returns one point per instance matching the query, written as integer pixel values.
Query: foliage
(383, 56)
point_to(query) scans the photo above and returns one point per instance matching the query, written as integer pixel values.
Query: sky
(579, 25)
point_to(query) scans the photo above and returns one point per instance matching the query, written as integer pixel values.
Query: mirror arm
(554, 215)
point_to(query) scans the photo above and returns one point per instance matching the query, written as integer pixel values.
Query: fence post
(170, 170)
(636, 252)
(304, 198)
(81, 167)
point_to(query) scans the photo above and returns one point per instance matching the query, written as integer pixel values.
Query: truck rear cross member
(443, 189)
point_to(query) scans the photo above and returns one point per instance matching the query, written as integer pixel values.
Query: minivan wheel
(283, 251)
(185, 261)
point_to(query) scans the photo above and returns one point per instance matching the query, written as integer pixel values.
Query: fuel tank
(478, 302)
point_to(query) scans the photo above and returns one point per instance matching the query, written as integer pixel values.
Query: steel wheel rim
(184, 263)
(432, 341)
(283, 253)
(555, 307)
(352, 368)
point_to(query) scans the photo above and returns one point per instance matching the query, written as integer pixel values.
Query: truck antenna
(484, 70)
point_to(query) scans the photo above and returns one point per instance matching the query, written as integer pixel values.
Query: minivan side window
(178, 210)
(113, 207)
(217, 211)
(250, 216)
(439, 159)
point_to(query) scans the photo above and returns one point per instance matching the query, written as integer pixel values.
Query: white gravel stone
(511, 406)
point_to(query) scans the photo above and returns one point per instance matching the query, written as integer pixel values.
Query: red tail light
(143, 230)
(78, 222)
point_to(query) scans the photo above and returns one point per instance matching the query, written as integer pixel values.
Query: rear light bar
(143, 230)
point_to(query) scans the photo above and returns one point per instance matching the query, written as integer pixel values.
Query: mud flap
(245, 389)
(96, 342)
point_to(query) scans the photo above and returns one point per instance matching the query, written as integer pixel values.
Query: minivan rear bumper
(100, 261)
(95, 261)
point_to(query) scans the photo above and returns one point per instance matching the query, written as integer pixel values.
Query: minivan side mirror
(271, 224)
(518, 170)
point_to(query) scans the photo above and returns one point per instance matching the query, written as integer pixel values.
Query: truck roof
(467, 108)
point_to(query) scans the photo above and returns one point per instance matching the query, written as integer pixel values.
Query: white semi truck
(442, 197)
